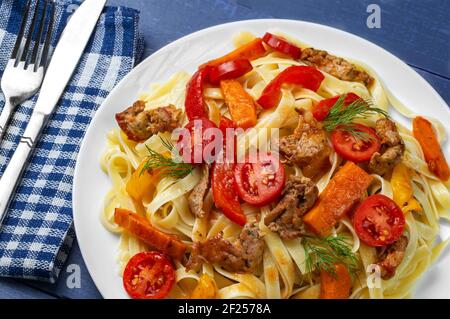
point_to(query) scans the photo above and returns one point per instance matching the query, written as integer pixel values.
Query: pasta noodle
(283, 273)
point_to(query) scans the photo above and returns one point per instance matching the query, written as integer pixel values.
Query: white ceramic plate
(99, 247)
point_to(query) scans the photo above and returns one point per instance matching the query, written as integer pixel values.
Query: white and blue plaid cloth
(37, 233)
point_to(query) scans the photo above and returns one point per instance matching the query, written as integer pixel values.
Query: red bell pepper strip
(321, 110)
(229, 142)
(225, 123)
(306, 76)
(224, 192)
(192, 148)
(223, 185)
(250, 51)
(282, 45)
(195, 103)
(229, 70)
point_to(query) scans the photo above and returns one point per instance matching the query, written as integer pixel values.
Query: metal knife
(65, 59)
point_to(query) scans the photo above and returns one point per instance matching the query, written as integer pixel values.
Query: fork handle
(4, 117)
(11, 177)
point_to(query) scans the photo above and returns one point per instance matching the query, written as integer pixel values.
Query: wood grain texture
(440, 84)
(13, 289)
(417, 32)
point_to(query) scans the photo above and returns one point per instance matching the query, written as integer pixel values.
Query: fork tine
(23, 25)
(48, 36)
(30, 33)
(37, 42)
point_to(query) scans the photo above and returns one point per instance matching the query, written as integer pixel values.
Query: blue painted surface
(416, 31)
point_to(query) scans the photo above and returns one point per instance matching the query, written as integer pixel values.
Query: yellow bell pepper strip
(240, 103)
(206, 288)
(402, 188)
(142, 183)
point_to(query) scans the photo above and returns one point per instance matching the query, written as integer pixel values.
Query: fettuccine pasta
(286, 269)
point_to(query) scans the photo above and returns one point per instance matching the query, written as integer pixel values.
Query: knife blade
(67, 54)
(64, 61)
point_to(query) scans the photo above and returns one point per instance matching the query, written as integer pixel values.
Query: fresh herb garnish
(171, 165)
(325, 253)
(341, 117)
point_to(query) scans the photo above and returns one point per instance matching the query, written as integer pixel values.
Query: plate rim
(143, 64)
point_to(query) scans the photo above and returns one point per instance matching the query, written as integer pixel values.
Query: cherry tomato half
(223, 184)
(321, 110)
(192, 147)
(229, 70)
(149, 275)
(261, 180)
(378, 221)
(354, 149)
(282, 45)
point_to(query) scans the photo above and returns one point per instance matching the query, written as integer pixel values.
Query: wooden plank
(163, 22)
(405, 31)
(440, 84)
(416, 31)
(161, 26)
(166, 32)
(13, 289)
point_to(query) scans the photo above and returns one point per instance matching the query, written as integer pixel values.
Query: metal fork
(26, 67)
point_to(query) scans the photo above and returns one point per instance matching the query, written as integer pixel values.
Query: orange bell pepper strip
(142, 183)
(140, 227)
(250, 51)
(337, 285)
(240, 103)
(424, 133)
(343, 191)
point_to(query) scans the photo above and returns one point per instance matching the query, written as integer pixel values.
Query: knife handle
(11, 177)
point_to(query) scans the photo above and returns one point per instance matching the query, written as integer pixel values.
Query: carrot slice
(335, 286)
(424, 133)
(250, 51)
(239, 102)
(141, 228)
(343, 191)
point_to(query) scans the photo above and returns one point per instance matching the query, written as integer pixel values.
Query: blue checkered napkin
(37, 234)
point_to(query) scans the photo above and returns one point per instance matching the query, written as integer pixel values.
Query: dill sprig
(171, 165)
(325, 253)
(341, 117)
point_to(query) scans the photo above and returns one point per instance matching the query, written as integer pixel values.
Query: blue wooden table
(416, 31)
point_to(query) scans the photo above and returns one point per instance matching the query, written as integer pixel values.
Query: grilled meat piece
(243, 256)
(391, 256)
(392, 148)
(198, 194)
(139, 124)
(335, 66)
(299, 195)
(307, 147)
